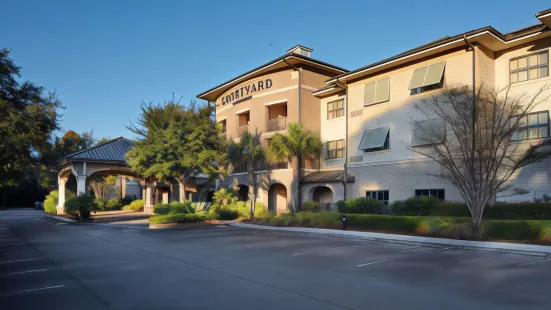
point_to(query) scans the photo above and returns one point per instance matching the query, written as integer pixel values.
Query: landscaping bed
(525, 231)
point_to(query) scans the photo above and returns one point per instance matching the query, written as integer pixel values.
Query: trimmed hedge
(458, 228)
(136, 205)
(178, 218)
(498, 211)
(416, 206)
(360, 205)
(174, 207)
(79, 206)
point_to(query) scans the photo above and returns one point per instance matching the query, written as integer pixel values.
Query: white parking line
(35, 289)
(19, 260)
(28, 271)
(538, 261)
(371, 263)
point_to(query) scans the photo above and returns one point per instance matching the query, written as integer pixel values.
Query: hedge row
(178, 218)
(430, 206)
(458, 228)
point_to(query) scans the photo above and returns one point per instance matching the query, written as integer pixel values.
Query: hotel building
(367, 119)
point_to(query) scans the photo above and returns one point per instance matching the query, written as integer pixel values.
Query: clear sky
(104, 57)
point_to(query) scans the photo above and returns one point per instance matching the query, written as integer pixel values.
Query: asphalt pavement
(49, 264)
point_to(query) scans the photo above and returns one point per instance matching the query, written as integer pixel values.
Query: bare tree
(477, 145)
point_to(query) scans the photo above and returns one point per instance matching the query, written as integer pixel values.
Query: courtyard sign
(245, 92)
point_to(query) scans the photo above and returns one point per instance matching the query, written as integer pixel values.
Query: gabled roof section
(110, 151)
(278, 63)
(301, 46)
(487, 36)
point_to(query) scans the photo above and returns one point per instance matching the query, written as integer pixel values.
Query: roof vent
(301, 50)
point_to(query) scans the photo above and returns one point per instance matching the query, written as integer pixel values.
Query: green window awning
(428, 75)
(374, 138)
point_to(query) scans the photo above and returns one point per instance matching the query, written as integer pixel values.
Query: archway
(277, 198)
(324, 196)
(243, 192)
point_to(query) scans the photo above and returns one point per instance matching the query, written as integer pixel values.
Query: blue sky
(105, 57)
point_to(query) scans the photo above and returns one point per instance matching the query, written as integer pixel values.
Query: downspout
(471, 47)
(299, 85)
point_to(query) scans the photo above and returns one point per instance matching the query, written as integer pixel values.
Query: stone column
(61, 198)
(123, 186)
(165, 196)
(149, 204)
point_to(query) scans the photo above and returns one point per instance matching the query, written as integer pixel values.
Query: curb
(501, 247)
(61, 218)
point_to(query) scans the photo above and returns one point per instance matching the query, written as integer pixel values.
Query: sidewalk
(523, 249)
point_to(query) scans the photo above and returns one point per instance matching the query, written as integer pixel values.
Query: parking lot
(48, 264)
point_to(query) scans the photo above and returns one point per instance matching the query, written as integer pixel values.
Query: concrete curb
(61, 218)
(511, 248)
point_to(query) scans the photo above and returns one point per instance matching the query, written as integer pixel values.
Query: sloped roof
(327, 176)
(110, 151)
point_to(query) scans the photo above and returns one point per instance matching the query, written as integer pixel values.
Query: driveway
(47, 264)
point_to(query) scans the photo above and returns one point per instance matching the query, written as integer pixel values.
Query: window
(532, 126)
(335, 109)
(437, 193)
(335, 149)
(427, 78)
(529, 67)
(376, 92)
(381, 196)
(375, 139)
(428, 131)
(223, 123)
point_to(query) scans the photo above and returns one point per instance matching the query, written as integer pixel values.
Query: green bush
(512, 230)
(286, 219)
(454, 209)
(99, 204)
(311, 206)
(384, 222)
(50, 203)
(114, 204)
(415, 206)
(200, 206)
(174, 207)
(79, 206)
(326, 219)
(178, 218)
(127, 200)
(136, 205)
(360, 205)
(498, 211)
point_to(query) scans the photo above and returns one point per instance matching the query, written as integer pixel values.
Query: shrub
(415, 206)
(225, 196)
(384, 222)
(243, 209)
(79, 206)
(311, 206)
(326, 219)
(285, 219)
(260, 210)
(136, 205)
(498, 211)
(223, 212)
(50, 203)
(174, 207)
(178, 218)
(100, 204)
(454, 209)
(127, 200)
(113, 204)
(200, 206)
(304, 218)
(360, 205)
(512, 230)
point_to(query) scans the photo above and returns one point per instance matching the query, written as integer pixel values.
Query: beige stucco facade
(265, 101)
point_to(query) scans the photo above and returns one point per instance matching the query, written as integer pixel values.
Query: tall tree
(297, 145)
(249, 151)
(176, 143)
(477, 143)
(28, 116)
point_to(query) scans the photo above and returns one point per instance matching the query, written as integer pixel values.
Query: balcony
(263, 166)
(276, 124)
(312, 164)
(239, 167)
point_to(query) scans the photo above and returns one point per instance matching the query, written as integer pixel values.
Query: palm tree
(249, 150)
(297, 145)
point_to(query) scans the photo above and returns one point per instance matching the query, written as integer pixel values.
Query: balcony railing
(276, 124)
(262, 166)
(242, 129)
(239, 167)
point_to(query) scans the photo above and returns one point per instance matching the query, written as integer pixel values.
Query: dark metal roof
(110, 151)
(327, 176)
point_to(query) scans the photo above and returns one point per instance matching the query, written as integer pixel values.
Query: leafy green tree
(176, 143)
(297, 145)
(249, 150)
(28, 116)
